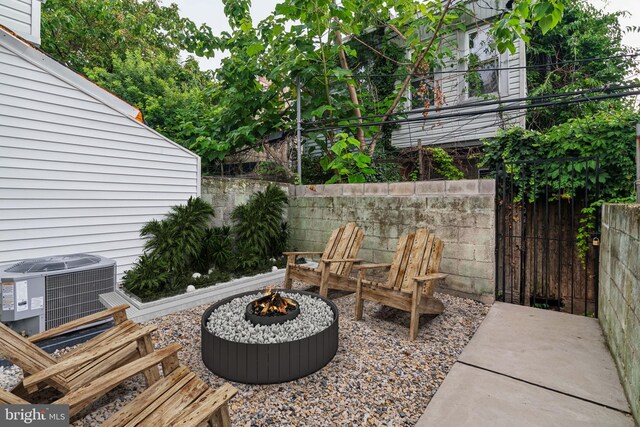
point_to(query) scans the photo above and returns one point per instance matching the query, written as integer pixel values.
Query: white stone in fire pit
(228, 321)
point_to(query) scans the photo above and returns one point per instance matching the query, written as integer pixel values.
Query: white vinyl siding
(77, 175)
(467, 129)
(22, 17)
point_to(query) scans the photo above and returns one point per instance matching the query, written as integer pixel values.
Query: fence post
(638, 162)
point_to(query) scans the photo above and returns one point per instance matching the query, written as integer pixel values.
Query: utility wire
(482, 103)
(523, 67)
(471, 113)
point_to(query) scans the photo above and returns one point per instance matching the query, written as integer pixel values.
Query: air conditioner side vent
(73, 295)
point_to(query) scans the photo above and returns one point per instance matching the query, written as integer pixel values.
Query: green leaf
(546, 24)
(254, 49)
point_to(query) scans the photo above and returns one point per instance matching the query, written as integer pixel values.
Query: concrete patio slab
(474, 397)
(555, 350)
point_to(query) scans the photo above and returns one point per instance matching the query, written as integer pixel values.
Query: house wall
(461, 213)
(619, 302)
(77, 175)
(467, 129)
(22, 17)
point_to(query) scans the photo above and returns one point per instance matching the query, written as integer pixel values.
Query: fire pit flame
(273, 304)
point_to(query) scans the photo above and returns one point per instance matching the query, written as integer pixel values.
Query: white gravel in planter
(228, 321)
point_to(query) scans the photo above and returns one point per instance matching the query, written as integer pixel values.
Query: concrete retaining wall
(619, 303)
(224, 194)
(459, 212)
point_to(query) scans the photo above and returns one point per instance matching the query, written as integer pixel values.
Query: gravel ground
(377, 377)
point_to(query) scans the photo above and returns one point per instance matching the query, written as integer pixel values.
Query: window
(482, 60)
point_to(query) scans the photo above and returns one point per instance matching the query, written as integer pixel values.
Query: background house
(79, 171)
(493, 77)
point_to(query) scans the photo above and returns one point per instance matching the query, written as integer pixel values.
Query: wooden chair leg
(291, 261)
(415, 314)
(221, 417)
(324, 281)
(145, 346)
(359, 295)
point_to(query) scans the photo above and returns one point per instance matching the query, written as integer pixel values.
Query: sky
(211, 12)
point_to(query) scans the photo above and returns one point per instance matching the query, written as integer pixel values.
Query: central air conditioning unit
(42, 293)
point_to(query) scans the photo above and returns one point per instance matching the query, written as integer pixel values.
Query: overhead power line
(476, 104)
(522, 67)
(471, 113)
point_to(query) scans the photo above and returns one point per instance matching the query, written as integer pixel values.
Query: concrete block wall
(619, 294)
(224, 194)
(459, 212)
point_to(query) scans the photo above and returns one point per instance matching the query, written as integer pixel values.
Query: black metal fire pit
(268, 363)
(292, 310)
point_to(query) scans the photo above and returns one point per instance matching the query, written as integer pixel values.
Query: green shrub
(183, 243)
(216, 251)
(257, 227)
(173, 246)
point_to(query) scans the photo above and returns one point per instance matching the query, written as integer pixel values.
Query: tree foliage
(90, 33)
(132, 47)
(585, 33)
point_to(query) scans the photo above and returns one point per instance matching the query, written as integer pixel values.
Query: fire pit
(271, 308)
(296, 336)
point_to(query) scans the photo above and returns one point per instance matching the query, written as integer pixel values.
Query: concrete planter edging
(141, 312)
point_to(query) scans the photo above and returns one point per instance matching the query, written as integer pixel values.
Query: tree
(318, 49)
(84, 34)
(132, 47)
(585, 33)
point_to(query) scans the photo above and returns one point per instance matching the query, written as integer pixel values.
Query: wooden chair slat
(352, 252)
(212, 400)
(434, 264)
(344, 248)
(28, 356)
(103, 365)
(181, 398)
(8, 398)
(404, 261)
(137, 410)
(419, 250)
(103, 338)
(397, 260)
(330, 249)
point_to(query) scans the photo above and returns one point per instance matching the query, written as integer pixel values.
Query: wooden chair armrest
(302, 253)
(432, 276)
(78, 398)
(329, 261)
(200, 411)
(86, 356)
(92, 318)
(370, 266)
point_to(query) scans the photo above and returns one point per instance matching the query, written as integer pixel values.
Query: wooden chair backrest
(23, 353)
(345, 242)
(418, 253)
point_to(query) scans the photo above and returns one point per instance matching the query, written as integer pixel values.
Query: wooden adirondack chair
(411, 280)
(121, 344)
(335, 263)
(180, 398)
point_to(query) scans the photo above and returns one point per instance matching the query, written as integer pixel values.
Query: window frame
(496, 58)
